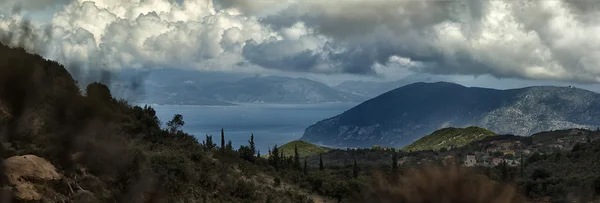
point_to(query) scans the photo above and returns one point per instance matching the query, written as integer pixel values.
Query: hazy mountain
(257, 89)
(180, 94)
(273, 89)
(405, 114)
(372, 89)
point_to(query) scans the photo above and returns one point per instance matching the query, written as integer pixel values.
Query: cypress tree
(394, 167)
(222, 140)
(305, 167)
(252, 146)
(355, 170)
(321, 162)
(274, 157)
(522, 176)
(296, 158)
(209, 144)
(229, 147)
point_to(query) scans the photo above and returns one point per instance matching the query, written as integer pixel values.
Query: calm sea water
(272, 124)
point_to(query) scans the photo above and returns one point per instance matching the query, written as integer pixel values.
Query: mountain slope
(373, 89)
(259, 89)
(274, 89)
(400, 116)
(449, 137)
(106, 150)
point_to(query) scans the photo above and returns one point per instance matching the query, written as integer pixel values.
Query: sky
(499, 44)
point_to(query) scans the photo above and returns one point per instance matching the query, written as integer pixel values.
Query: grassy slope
(446, 137)
(304, 148)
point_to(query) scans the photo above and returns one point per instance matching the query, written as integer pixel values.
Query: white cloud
(542, 40)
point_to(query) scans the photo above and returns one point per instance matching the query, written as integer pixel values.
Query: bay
(271, 124)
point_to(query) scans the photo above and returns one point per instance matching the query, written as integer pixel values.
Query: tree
(305, 170)
(321, 167)
(504, 171)
(229, 147)
(355, 170)
(252, 146)
(394, 167)
(98, 92)
(296, 158)
(222, 140)
(497, 154)
(246, 153)
(274, 157)
(208, 143)
(175, 123)
(540, 173)
(521, 165)
(258, 153)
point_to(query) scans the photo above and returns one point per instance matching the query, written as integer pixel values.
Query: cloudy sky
(500, 44)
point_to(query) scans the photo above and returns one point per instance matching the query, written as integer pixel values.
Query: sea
(271, 124)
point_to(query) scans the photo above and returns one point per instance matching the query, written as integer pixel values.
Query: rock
(24, 172)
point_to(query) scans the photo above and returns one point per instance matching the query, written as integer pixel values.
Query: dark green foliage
(321, 167)
(246, 153)
(394, 171)
(274, 157)
(497, 154)
(116, 151)
(208, 143)
(296, 159)
(305, 169)
(577, 147)
(171, 172)
(596, 185)
(355, 170)
(98, 92)
(252, 145)
(277, 182)
(175, 123)
(229, 147)
(539, 173)
(222, 141)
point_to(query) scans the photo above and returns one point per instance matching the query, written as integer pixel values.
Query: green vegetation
(304, 148)
(449, 138)
(116, 152)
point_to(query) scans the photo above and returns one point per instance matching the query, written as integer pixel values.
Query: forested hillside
(110, 151)
(61, 144)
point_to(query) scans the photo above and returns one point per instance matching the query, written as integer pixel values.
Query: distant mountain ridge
(276, 89)
(257, 89)
(373, 89)
(405, 114)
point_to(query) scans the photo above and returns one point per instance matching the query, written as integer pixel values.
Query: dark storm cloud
(540, 40)
(268, 55)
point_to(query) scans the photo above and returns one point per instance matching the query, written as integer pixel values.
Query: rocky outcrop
(26, 173)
